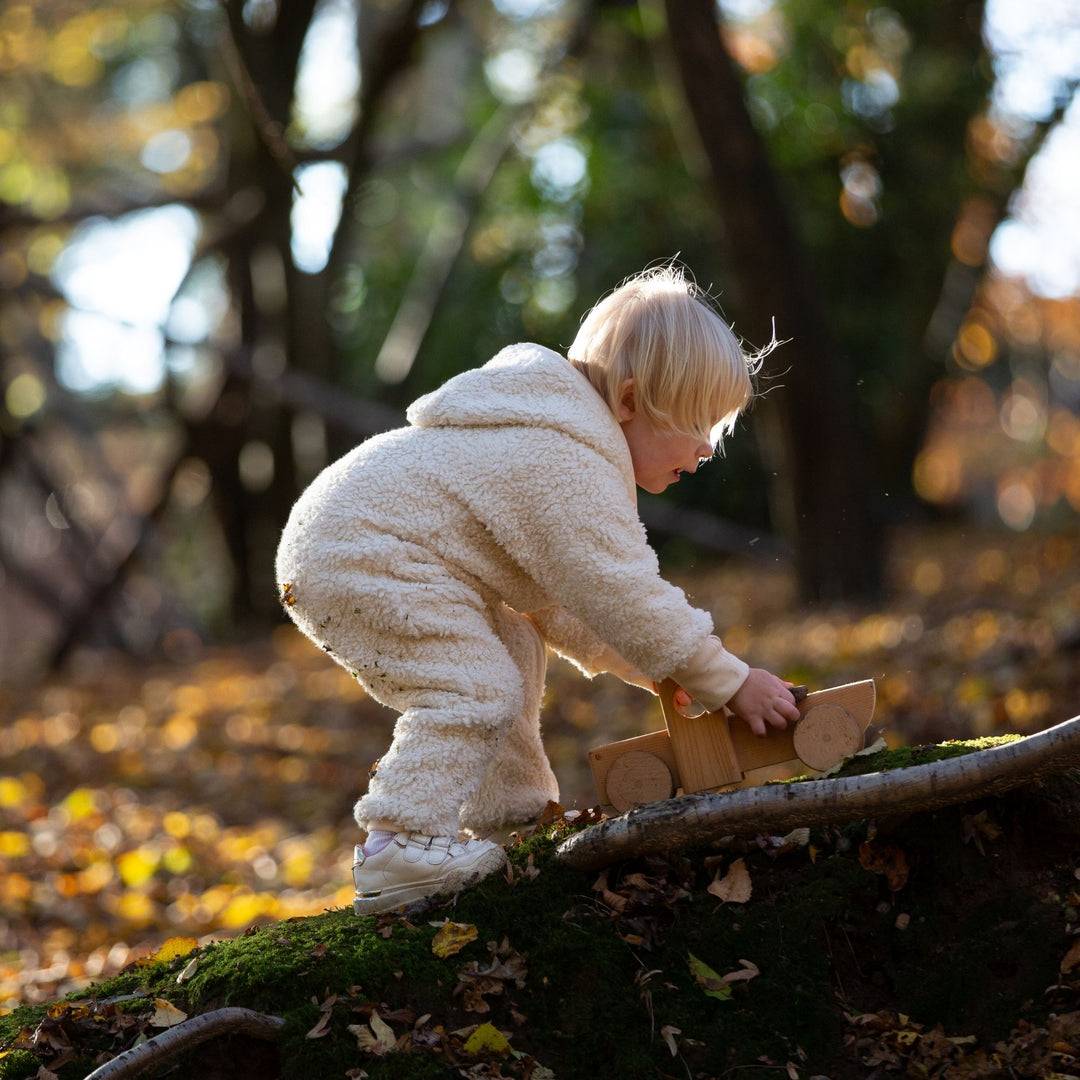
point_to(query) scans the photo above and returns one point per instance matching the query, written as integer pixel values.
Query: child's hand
(764, 699)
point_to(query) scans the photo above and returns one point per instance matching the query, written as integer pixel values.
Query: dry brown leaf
(610, 899)
(166, 1015)
(747, 972)
(376, 1037)
(321, 1028)
(1071, 958)
(734, 887)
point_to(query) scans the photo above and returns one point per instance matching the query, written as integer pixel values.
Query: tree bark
(826, 497)
(696, 819)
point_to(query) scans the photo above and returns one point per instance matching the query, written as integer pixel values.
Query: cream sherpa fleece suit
(436, 561)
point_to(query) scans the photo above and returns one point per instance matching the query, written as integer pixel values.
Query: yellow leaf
(487, 1038)
(734, 887)
(166, 1015)
(451, 938)
(171, 949)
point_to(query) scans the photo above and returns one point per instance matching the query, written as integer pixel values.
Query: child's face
(659, 457)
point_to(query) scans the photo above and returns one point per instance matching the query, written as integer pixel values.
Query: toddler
(438, 562)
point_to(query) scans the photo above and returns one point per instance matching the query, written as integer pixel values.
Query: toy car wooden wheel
(638, 777)
(826, 735)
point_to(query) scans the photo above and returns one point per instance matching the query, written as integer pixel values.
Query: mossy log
(691, 820)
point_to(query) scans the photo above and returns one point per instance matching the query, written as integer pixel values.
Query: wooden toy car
(710, 751)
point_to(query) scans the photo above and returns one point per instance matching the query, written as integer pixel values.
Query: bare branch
(183, 1037)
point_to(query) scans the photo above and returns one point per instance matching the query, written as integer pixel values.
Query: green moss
(903, 757)
(19, 1065)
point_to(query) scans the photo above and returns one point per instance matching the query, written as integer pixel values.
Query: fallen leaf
(321, 1028)
(709, 981)
(171, 949)
(189, 970)
(610, 899)
(1071, 958)
(166, 1015)
(797, 838)
(668, 1033)
(747, 972)
(487, 1039)
(975, 828)
(885, 859)
(376, 1037)
(734, 887)
(451, 938)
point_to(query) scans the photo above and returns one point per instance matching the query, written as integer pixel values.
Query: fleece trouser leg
(519, 782)
(424, 643)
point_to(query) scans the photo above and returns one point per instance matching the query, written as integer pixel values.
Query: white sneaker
(413, 866)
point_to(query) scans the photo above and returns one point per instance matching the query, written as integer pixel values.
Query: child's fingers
(681, 698)
(757, 726)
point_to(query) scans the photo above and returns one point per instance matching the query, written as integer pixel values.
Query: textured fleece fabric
(435, 561)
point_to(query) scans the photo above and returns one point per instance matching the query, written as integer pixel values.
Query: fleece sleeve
(564, 513)
(575, 642)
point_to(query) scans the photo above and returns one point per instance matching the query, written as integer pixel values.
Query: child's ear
(626, 408)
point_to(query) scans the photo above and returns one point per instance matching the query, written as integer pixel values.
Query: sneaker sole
(391, 899)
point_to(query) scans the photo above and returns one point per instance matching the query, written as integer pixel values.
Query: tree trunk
(825, 498)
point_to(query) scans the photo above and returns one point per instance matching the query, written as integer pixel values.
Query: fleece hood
(527, 385)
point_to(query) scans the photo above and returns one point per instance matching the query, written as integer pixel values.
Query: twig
(184, 1036)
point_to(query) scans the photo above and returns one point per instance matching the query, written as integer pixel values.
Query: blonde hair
(658, 328)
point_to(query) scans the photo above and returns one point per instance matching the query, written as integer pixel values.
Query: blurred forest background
(238, 236)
